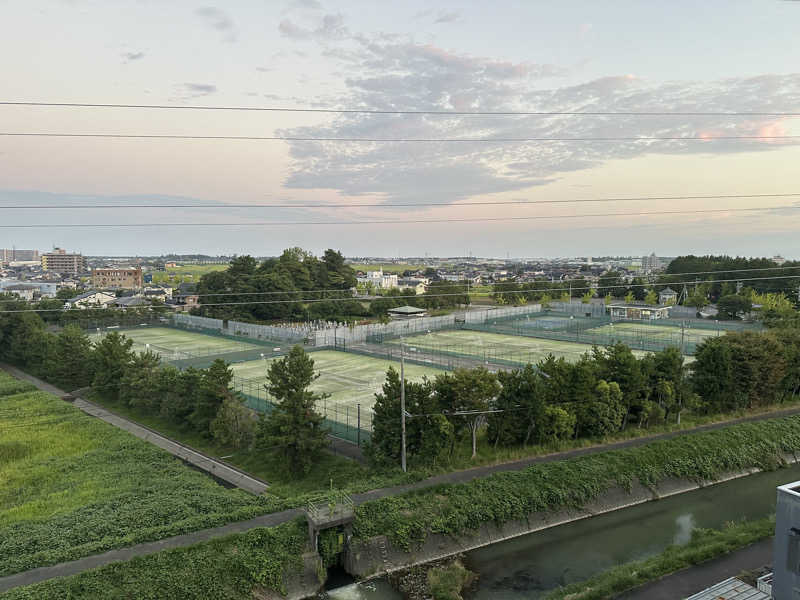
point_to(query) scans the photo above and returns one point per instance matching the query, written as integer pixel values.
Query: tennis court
(178, 344)
(350, 379)
(665, 333)
(494, 347)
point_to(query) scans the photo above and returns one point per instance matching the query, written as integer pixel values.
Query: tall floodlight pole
(402, 407)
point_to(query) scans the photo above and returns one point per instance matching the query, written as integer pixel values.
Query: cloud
(329, 27)
(391, 74)
(196, 90)
(131, 56)
(220, 21)
(447, 17)
(441, 16)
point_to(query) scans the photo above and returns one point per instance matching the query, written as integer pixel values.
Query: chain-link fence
(652, 336)
(350, 423)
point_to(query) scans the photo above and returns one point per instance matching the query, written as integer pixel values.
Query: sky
(579, 56)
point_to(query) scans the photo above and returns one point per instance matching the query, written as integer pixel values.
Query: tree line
(280, 289)
(605, 391)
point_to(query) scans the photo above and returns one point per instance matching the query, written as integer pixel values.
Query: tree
(214, 388)
(235, 424)
(651, 298)
(522, 402)
(557, 424)
(180, 390)
(629, 298)
(604, 414)
(618, 364)
(140, 384)
(712, 376)
(733, 305)
(113, 356)
(466, 391)
(294, 426)
(72, 357)
(586, 298)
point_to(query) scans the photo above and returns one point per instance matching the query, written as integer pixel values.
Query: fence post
(358, 432)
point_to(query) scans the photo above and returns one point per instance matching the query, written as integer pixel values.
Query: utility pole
(402, 407)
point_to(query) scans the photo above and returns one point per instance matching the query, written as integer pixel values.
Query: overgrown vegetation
(704, 545)
(448, 582)
(459, 508)
(75, 486)
(229, 568)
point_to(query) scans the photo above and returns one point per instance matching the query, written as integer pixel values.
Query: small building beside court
(407, 312)
(637, 312)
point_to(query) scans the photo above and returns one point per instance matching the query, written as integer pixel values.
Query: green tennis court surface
(659, 332)
(350, 379)
(495, 346)
(172, 342)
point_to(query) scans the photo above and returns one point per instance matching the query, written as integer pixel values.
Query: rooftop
(406, 310)
(730, 589)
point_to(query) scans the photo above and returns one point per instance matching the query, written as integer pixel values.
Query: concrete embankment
(377, 556)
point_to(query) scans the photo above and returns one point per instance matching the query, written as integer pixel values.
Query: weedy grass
(72, 485)
(228, 568)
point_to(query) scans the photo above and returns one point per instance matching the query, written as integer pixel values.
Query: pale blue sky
(618, 56)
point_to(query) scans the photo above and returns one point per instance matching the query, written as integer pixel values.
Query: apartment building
(129, 278)
(59, 261)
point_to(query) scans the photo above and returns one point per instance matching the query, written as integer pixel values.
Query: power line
(408, 112)
(393, 222)
(144, 136)
(320, 291)
(378, 205)
(316, 300)
(495, 285)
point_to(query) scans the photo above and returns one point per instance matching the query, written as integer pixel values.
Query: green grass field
(185, 274)
(72, 485)
(495, 346)
(172, 342)
(351, 379)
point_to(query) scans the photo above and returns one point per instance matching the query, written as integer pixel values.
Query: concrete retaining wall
(377, 556)
(304, 584)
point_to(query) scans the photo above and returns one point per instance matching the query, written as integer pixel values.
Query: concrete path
(212, 466)
(687, 582)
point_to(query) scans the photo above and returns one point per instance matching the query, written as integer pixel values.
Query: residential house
(90, 300)
(667, 296)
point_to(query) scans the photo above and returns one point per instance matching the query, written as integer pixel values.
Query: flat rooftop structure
(406, 312)
(731, 589)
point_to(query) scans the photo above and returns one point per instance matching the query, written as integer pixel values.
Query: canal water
(529, 566)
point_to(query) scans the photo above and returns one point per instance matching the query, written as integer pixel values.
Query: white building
(379, 280)
(650, 263)
(90, 300)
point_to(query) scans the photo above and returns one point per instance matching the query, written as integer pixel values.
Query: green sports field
(662, 333)
(350, 379)
(495, 346)
(174, 343)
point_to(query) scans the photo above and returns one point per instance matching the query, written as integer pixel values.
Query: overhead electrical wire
(316, 300)
(369, 111)
(167, 136)
(410, 204)
(392, 222)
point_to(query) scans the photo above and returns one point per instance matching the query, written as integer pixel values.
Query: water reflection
(685, 525)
